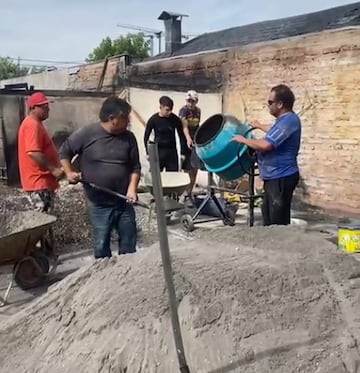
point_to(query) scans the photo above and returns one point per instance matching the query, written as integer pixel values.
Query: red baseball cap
(37, 99)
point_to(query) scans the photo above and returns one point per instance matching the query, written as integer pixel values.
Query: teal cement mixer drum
(229, 160)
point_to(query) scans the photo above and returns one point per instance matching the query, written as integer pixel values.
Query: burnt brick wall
(324, 72)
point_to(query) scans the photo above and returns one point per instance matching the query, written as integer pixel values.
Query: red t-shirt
(33, 137)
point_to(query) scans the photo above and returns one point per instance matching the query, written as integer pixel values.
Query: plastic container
(349, 238)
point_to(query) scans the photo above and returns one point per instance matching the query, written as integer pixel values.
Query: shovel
(115, 194)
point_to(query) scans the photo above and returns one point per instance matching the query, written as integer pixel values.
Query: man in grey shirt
(109, 157)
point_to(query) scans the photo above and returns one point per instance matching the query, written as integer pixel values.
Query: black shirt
(105, 159)
(164, 129)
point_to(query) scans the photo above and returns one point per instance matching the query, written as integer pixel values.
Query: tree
(10, 69)
(134, 45)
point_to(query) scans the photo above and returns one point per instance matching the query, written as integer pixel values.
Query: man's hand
(238, 138)
(190, 143)
(57, 172)
(182, 158)
(255, 124)
(132, 196)
(73, 177)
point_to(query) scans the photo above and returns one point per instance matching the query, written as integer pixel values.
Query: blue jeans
(106, 218)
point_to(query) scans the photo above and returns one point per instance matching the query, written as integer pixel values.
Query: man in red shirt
(39, 162)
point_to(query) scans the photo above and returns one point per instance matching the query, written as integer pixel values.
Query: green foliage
(10, 69)
(134, 45)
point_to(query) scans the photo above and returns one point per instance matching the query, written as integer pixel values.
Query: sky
(64, 30)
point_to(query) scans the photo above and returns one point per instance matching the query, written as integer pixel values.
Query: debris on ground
(259, 299)
(72, 231)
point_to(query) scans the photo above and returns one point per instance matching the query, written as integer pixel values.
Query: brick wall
(324, 72)
(205, 72)
(88, 76)
(84, 77)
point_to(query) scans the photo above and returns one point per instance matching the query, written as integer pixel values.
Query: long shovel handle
(111, 192)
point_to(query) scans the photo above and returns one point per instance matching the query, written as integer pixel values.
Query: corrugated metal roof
(339, 17)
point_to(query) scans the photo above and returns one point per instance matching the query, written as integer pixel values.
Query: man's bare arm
(42, 161)
(72, 176)
(66, 164)
(185, 126)
(134, 181)
(262, 127)
(133, 185)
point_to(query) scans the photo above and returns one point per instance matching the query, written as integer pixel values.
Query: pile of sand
(267, 300)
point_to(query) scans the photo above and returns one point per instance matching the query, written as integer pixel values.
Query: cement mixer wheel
(187, 223)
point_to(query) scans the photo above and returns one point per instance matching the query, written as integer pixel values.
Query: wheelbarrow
(29, 250)
(174, 185)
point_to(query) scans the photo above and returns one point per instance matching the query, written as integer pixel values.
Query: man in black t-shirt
(164, 124)
(109, 157)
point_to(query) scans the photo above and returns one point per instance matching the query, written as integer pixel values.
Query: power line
(139, 28)
(47, 61)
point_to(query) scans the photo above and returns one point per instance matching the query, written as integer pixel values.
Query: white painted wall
(146, 103)
(57, 79)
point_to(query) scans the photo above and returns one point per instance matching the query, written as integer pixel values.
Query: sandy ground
(20, 299)
(250, 300)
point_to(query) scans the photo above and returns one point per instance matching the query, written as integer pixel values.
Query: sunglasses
(270, 102)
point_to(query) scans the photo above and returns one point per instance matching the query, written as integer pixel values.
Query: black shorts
(168, 160)
(193, 162)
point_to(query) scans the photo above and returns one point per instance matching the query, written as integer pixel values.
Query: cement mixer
(227, 159)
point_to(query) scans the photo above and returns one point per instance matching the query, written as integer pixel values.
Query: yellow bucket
(349, 238)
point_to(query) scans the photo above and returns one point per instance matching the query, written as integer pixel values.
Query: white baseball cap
(192, 95)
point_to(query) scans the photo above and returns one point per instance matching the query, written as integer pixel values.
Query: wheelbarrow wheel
(28, 273)
(187, 223)
(42, 260)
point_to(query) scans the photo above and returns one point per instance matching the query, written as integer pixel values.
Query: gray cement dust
(250, 300)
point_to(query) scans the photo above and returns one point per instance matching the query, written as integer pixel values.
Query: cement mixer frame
(227, 215)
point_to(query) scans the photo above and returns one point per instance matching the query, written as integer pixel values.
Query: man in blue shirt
(277, 155)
